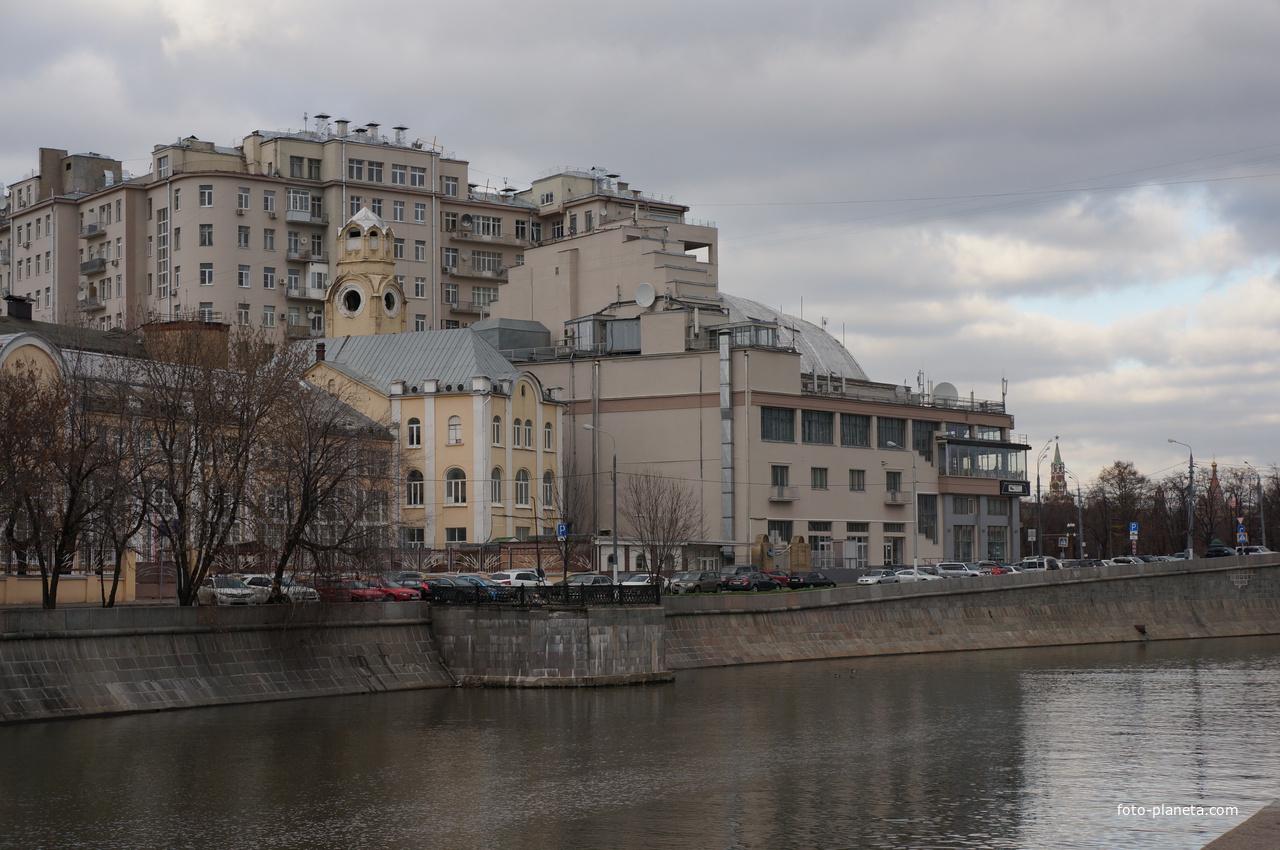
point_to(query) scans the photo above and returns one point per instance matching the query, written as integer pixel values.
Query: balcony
(897, 497)
(499, 273)
(782, 493)
(303, 255)
(307, 293)
(93, 266)
(305, 217)
(90, 305)
(474, 307)
(303, 332)
(4, 257)
(92, 229)
(468, 236)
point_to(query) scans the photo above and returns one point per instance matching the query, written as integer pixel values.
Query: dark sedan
(752, 581)
(809, 580)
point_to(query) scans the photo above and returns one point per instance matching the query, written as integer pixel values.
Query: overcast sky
(1078, 197)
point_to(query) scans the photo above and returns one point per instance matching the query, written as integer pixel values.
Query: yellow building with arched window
(477, 456)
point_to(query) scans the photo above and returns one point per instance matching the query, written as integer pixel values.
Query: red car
(393, 592)
(779, 576)
(364, 591)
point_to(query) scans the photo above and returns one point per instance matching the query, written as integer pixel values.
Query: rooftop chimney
(373, 129)
(319, 352)
(400, 134)
(342, 127)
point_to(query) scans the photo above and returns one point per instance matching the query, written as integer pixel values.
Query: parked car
(782, 578)
(695, 582)
(293, 591)
(955, 569)
(363, 591)
(393, 592)
(587, 579)
(642, 580)
(752, 581)
(1219, 552)
(1253, 550)
(798, 580)
(879, 577)
(727, 573)
(1040, 562)
(914, 574)
(519, 578)
(224, 590)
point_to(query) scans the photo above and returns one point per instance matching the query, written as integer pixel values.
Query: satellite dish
(645, 294)
(945, 393)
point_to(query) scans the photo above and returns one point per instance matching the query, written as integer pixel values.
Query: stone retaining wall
(75, 662)
(1216, 598)
(552, 647)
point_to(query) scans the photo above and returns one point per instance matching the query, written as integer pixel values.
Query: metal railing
(576, 596)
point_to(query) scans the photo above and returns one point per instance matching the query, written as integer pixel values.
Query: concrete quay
(1260, 832)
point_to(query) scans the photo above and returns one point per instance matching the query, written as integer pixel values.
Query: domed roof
(820, 352)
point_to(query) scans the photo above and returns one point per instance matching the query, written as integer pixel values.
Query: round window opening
(351, 300)
(389, 301)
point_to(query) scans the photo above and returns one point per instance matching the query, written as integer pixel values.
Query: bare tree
(323, 484)
(572, 500)
(662, 515)
(208, 408)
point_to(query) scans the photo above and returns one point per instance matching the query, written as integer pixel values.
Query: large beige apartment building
(246, 234)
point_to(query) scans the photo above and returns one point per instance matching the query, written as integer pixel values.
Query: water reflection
(1014, 749)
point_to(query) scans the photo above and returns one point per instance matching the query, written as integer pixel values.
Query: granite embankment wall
(552, 647)
(76, 662)
(1214, 598)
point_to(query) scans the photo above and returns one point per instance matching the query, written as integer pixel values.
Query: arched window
(528, 433)
(455, 430)
(495, 486)
(413, 489)
(455, 487)
(497, 430)
(522, 488)
(548, 438)
(548, 489)
(515, 433)
(415, 432)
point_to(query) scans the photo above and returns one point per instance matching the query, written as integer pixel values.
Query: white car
(518, 578)
(224, 590)
(913, 574)
(955, 569)
(260, 584)
(643, 579)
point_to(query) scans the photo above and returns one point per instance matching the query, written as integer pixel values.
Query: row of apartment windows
(818, 427)
(521, 433)
(455, 488)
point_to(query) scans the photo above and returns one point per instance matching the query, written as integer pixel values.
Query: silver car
(224, 590)
(879, 577)
(696, 582)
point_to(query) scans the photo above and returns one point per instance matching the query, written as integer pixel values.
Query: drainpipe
(726, 443)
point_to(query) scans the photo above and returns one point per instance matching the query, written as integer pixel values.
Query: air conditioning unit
(239, 210)
(115, 262)
(26, 244)
(272, 214)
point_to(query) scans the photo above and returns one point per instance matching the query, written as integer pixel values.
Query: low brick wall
(552, 647)
(76, 662)
(1215, 598)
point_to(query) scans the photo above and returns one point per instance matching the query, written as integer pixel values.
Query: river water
(1004, 749)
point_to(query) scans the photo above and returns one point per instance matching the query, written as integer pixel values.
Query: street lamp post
(1079, 513)
(614, 478)
(1040, 504)
(915, 509)
(1191, 494)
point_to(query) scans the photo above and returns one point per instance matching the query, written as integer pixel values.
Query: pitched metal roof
(450, 357)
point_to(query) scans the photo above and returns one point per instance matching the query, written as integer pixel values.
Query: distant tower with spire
(1058, 477)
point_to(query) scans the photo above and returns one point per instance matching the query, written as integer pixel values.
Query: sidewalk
(1260, 832)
